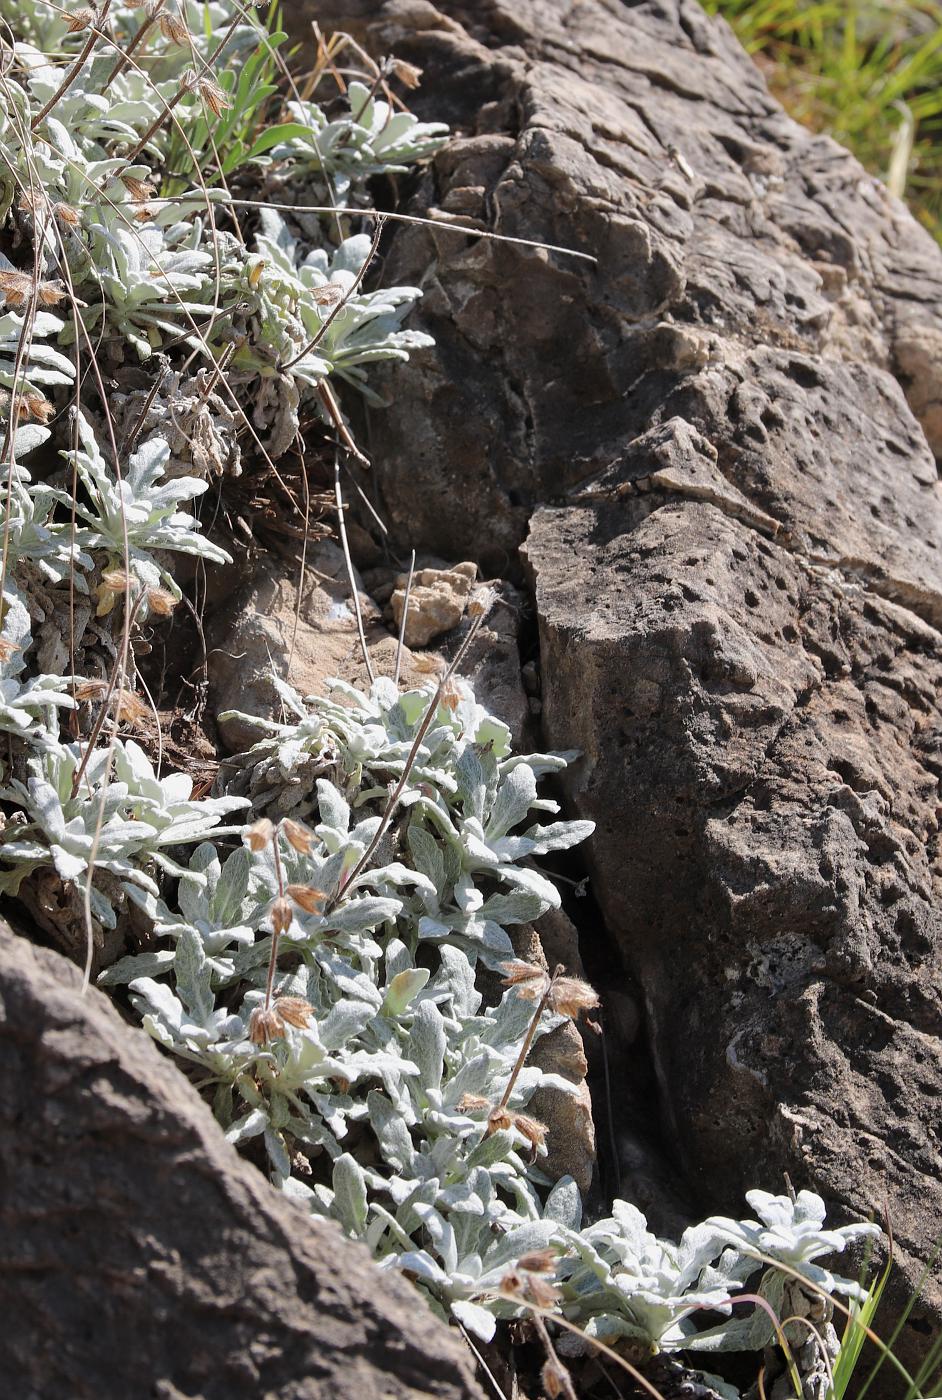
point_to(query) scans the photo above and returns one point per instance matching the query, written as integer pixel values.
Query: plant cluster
(867, 72)
(321, 965)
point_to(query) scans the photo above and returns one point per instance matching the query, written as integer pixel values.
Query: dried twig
(402, 622)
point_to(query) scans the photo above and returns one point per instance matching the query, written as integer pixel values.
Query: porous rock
(643, 136)
(142, 1256)
(301, 627)
(437, 600)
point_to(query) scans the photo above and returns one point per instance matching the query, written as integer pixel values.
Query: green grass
(867, 72)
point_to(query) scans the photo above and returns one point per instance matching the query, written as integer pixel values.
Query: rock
(264, 629)
(735, 249)
(762, 757)
(570, 1130)
(437, 601)
(142, 1256)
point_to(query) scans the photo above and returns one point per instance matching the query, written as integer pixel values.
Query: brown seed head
(49, 293)
(297, 836)
(265, 1025)
(306, 897)
(407, 73)
(481, 602)
(539, 1261)
(570, 995)
(117, 580)
(173, 28)
(328, 295)
(281, 915)
(161, 601)
(213, 95)
(295, 1010)
(451, 695)
(259, 834)
(530, 979)
(127, 706)
(554, 1377)
(138, 189)
(30, 404)
(80, 20)
(66, 214)
(472, 1103)
(497, 1120)
(16, 288)
(531, 1128)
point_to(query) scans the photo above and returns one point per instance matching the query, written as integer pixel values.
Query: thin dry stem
(351, 573)
(402, 622)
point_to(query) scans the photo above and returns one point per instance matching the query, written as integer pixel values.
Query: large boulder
(142, 1256)
(642, 135)
(719, 439)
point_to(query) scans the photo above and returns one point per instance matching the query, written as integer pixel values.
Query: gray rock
(736, 250)
(762, 758)
(142, 1256)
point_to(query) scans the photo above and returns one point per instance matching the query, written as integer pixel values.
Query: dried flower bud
(16, 288)
(295, 1010)
(138, 189)
(306, 897)
(531, 1128)
(552, 1378)
(328, 295)
(143, 213)
(259, 834)
(265, 1024)
(511, 1284)
(66, 214)
(80, 20)
(281, 915)
(472, 1103)
(173, 28)
(161, 601)
(297, 836)
(541, 1292)
(117, 580)
(539, 1261)
(530, 980)
(213, 95)
(255, 272)
(407, 73)
(570, 995)
(481, 602)
(451, 694)
(31, 404)
(128, 706)
(50, 293)
(30, 200)
(497, 1120)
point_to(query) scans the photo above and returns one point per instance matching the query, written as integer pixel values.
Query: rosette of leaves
(371, 140)
(130, 825)
(139, 513)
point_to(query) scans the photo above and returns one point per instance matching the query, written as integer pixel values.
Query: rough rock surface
(142, 1256)
(725, 428)
(437, 601)
(732, 245)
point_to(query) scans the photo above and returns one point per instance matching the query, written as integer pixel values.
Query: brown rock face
(725, 429)
(732, 245)
(141, 1256)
